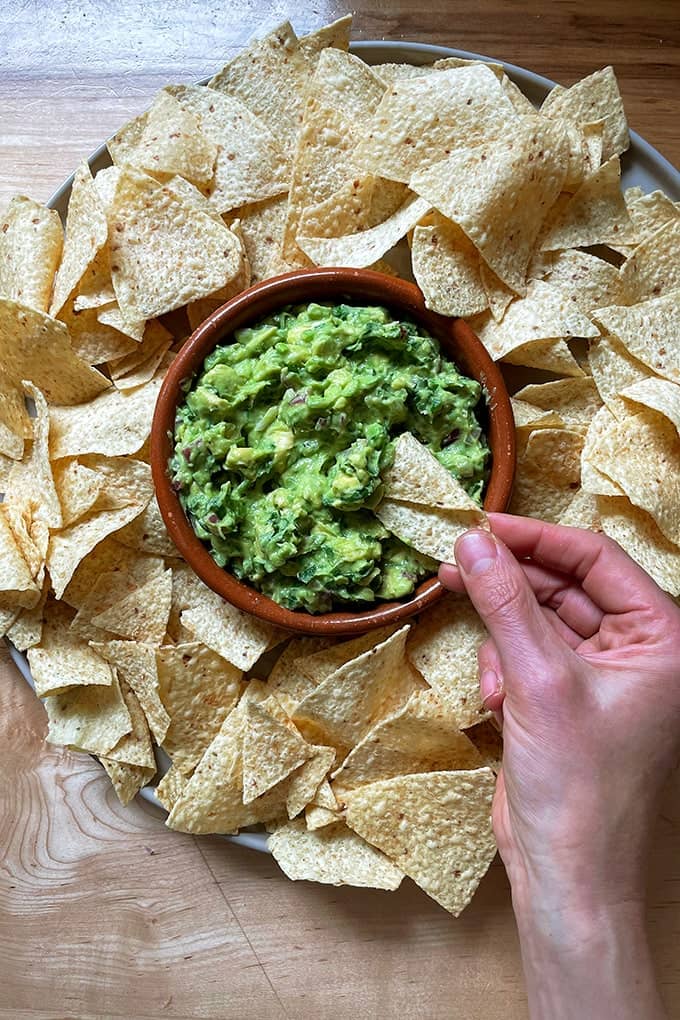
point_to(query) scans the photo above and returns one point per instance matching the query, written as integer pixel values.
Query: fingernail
(475, 552)
(489, 684)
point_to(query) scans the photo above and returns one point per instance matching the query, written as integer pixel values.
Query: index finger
(606, 573)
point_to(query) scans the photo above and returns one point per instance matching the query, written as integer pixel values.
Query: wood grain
(104, 913)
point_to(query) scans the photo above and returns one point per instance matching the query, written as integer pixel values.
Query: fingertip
(449, 575)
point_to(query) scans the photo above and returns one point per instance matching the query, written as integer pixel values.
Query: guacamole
(282, 439)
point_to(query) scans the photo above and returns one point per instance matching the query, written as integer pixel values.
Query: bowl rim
(252, 304)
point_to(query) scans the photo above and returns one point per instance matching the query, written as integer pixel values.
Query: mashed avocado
(282, 438)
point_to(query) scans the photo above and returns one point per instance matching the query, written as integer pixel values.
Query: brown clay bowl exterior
(361, 286)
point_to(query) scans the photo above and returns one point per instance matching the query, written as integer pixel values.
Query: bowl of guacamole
(274, 429)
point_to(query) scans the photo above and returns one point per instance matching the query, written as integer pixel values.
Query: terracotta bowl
(359, 286)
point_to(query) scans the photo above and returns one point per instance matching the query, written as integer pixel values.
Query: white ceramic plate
(641, 165)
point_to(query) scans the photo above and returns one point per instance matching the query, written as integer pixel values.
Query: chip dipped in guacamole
(283, 438)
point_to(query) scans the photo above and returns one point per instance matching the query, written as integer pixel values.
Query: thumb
(504, 599)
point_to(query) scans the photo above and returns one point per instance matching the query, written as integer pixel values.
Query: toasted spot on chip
(334, 856)
(436, 828)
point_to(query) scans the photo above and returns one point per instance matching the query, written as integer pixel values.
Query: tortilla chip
(324, 159)
(582, 512)
(548, 474)
(544, 313)
(171, 787)
(271, 74)
(272, 748)
(498, 192)
(35, 347)
(336, 35)
(637, 533)
(143, 614)
(351, 700)
(436, 827)
(593, 479)
(421, 736)
(124, 321)
(648, 331)
(95, 288)
(529, 417)
(16, 578)
(305, 781)
(198, 311)
(360, 204)
(15, 423)
(127, 780)
(658, 394)
(498, 296)
(136, 665)
(649, 213)
(212, 800)
(26, 630)
(262, 225)
(391, 72)
(30, 483)
(78, 489)
(147, 532)
(319, 817)
(443, 647)
(92, 718)
(86, 233)
(109, 556)
(166, 139)
(115, 423)
(140, 366)
(334, 856)
(68, 547)
(287, 681)
(198, 689)
(431, 531)
(250, 165)
(614, 370)
(135, 747)
(594, 98)
(589, 281)
(366, 247)
(575, 400)
(446, 268)
(595, 214)
(654, 267)
(421, 120)
(62, 660)
(31, 240)
(164, 253)
(641, 454)
(92, 340)
(107, 589)
(416, 476)
(237, 637)
(318, 666)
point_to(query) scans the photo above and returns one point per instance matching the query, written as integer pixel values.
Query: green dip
(282, 438)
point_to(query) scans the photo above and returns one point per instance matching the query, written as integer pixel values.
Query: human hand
(583, 661)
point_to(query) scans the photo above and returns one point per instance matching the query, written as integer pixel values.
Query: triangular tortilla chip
(432, 531)
(272, 748)
(443, 647)
(92, 718)
(31, 240)
(548, 474)
(198, 689)
(648, 331)
(143, 614)
(594, 98)
(335, 856)
(446, 268)
(305, 781)
(596, 214)
(127, 780)
(16, 578)
(637, 533)
(86, 233)
(416, 476)
(436, 828)
(136, 665)
(62, 660)
(135, 747)
(237, 637)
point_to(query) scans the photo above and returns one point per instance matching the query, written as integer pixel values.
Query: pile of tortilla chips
(368, 759)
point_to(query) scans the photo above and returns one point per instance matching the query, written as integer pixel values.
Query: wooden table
(103, 912)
